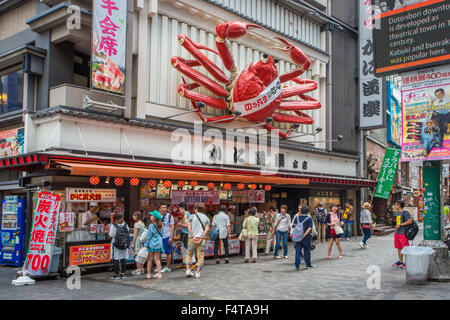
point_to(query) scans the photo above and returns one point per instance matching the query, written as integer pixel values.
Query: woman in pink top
(334, 219)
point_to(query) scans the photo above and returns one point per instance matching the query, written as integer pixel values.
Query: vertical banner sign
(394, 127)
(387, 173)
(431, 201)
(43, 234)
(426, 114)
(370, 87)
(109, 45)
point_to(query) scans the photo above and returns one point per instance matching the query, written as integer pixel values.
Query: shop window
(81, 69)
(11, 92)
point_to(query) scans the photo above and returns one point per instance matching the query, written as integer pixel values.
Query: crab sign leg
(230, 30)
(282, 134)
(185, 91)
(305, 85)
(179, 64)
(194, 49)
(297, 56)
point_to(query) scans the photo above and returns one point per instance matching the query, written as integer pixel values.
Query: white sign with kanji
(371, 108)
(43, 234)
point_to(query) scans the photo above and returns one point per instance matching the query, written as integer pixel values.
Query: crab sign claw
(231, 30)
(297, 56)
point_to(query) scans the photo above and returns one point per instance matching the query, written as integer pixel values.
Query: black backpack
(412, 231)
(122, 237)
(321, 215)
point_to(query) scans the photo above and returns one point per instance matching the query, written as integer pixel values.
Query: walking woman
(136, 245)
(251, 242)
(366, 224)
(334, 223)
(154, 244)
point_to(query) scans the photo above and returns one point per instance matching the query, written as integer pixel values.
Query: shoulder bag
(198, 240)
(243, 234)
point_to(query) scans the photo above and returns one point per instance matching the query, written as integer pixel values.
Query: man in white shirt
(222, 221)
(198, 227)
(89, 217)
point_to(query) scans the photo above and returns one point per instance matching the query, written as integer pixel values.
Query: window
(11, 92)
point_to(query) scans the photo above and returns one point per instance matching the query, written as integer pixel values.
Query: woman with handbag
(335, 231)
(154, 244)
(137, 245)
(366, 224)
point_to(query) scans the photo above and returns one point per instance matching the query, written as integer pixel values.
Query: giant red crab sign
(253, 94)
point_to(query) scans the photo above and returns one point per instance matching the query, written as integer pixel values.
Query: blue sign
(394, 128)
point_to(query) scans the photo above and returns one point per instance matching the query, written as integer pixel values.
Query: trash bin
(417, 262)
(55, 259)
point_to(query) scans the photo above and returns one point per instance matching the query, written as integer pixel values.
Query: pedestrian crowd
(154, 236)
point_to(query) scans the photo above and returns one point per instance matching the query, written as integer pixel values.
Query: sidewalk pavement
(270, 278)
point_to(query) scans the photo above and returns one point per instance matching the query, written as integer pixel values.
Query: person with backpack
(321, 216)
(366, 224)
(154, 244)
(120, 235)
(282, 228)
(301, 233)
(198, 227)
(251, 241)
(403, 220)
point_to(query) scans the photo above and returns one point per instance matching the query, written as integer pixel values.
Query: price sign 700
(38, 261)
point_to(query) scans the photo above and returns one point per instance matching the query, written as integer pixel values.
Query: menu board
(90, 254)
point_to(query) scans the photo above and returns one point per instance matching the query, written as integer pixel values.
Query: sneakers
(278, 257)
(361, 244)
(348, 239)
(115, 277)
(366, 246)
(227, 261)
(197, 275)
(397, 264)
(137, 272)
(149, 276)
(189, 273)
(297, 269)
(286, 257)
(402, 266)
(311, 266)
(123, 276)
(217, 261)
(157, 276)
(164, 270)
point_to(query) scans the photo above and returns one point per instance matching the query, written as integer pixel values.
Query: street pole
(439, 268)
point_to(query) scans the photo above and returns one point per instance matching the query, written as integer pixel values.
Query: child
(139, 227)
(154, 244)
(119, 246)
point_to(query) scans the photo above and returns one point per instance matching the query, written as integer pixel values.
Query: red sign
(43, 234)
(90, 254)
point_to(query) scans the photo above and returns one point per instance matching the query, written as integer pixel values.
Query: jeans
(285, 236)
(348, 229)
(123, 265)
(217, 246)
(251, 242)
(367, 235)
(306, 246)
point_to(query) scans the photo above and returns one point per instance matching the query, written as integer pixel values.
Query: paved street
(267, 279)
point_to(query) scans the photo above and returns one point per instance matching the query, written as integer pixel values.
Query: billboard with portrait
(426, 114)
(394, 128)
(410, 34)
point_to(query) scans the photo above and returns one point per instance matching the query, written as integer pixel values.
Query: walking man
(222, 221)
(303, 219)
(169, 226)
(282, 228)
(198, 227)
(321, 216)
(347, 216)
(403, 219)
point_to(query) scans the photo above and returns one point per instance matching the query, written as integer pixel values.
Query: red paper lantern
(118, 182)
(94, 180)
(210, 186)
(240, 186)
(194, 183)
(134, 181)
(227, 186)
(167, 184)
(181, 183)
(252, 186)
(151, 183)
(268, 187)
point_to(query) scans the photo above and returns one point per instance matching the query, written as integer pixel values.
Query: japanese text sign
(372, 113)
(195, 196)
(425, 113)
(43, 234)
(387, 173)
(90, 194)
(109, 45)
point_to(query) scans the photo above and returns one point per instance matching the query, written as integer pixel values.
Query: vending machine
(13, 231)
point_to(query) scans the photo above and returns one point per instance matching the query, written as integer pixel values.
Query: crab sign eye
(265, 57)
(276, 60)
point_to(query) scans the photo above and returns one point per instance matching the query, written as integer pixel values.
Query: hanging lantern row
(95, 180)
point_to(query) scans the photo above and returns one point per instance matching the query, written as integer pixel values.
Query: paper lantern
(151, 183)
(227, 186)
(268, 187)
(252, 186)
(94, 180)
(167, 184)
(181, 183)
(194, 183)
(240, 186)
(118, 182)
(134, 181)
(210, 186)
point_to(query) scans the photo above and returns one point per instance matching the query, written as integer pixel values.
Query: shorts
(400, 241)
(167, 246)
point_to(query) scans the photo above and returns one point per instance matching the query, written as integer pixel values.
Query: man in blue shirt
(305, 244)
